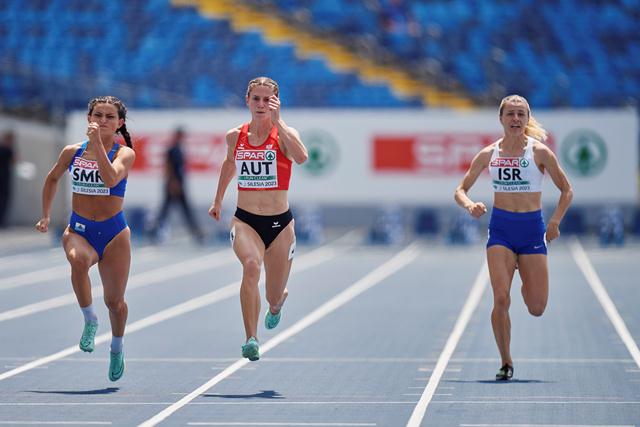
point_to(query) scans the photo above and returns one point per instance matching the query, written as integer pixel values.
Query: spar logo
(584, 152)
(85, 164)
(509, 162)
(250, 155)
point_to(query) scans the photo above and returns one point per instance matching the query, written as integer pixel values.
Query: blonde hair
(263, 81)
(533, 129)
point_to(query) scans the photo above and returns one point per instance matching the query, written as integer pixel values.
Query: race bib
(257, 169)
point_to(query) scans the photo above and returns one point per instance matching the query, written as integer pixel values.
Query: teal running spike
(251, 349)
(87, 341)
(116, 365)
(271, 320)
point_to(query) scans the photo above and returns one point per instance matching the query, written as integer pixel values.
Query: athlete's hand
(214, 211)
(93, 132)
(477, 209)
(274, 108)
(553, 230)
(43, 225)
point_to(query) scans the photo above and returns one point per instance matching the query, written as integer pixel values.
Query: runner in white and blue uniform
(97, 232)
(517, 235)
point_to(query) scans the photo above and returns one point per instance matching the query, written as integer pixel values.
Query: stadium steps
(275, 30)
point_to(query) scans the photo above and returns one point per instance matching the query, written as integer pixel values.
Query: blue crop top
(85, 178)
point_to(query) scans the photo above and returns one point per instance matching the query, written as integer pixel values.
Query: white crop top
(515, 174)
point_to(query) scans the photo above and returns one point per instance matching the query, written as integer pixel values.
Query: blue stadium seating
(59, 53)
(572, 53)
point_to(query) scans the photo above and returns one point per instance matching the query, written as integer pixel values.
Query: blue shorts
(521, 232)
(98, 233)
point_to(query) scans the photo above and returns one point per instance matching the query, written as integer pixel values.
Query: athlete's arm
(550, 162)
(478, 164)
(110, 172)
(290, 141)
(227, 172)
(50, 186)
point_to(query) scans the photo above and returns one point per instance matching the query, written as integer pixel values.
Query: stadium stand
(557, 54)
(199, 53)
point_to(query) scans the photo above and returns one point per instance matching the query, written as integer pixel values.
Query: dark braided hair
(122, 114)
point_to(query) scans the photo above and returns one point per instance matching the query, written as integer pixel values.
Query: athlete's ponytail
(125, 134)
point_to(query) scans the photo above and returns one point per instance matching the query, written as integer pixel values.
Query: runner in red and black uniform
(262, 230)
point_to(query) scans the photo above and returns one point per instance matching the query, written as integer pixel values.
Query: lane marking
(32, 277)
(311, 403)
(463, 319)
(139, 280)
(51, 273)
(581, 258)
(337, 402)
(396, 263)
(309, 260)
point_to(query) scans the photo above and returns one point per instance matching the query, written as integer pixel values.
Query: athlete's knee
(78, 262)
(251, 267)
(115, 304)
(501, 300)
(536, 308)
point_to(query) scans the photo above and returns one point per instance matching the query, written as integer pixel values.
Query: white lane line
(20, 260)
(139, 280)
(598, 288)
(306, 261)
(51, 273)
(302, 424)
(547, 360)
(32, 277)
(396, 263)
(280, 403)
(463, 319)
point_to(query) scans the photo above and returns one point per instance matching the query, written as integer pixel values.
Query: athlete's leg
(502, 265)
(114, 272)
(535, 282)
(81, 256)
(277, 265)
(249, 249)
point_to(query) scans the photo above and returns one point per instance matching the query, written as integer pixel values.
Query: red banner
(432, 153)
(204, 152)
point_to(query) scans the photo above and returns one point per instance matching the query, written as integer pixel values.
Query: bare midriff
(96, 208)
(267, 202)
(518, 202)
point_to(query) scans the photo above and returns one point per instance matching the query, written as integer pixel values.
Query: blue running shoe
(87, 343)
(116, 365)
(271, 320)
(251, 350)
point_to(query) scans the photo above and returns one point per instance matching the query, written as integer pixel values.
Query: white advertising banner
(386, 157)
